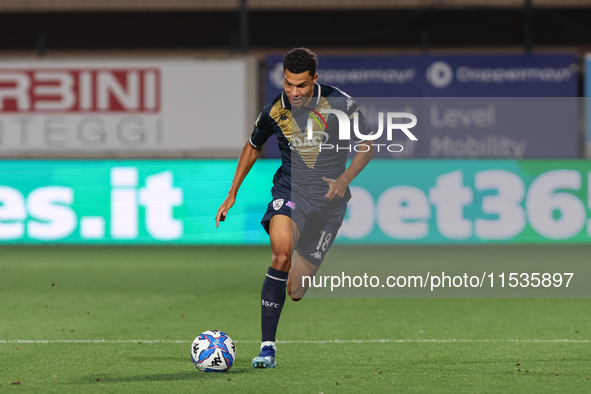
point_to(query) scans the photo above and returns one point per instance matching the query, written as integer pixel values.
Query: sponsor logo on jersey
(302, 143)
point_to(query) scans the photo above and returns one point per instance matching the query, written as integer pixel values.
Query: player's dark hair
(300, 60)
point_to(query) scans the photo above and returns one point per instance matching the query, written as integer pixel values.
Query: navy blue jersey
(304, 162)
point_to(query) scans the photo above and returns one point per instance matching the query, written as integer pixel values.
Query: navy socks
(272, 300)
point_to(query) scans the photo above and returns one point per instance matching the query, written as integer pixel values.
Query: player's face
(299, 87)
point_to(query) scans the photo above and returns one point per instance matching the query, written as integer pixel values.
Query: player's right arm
(250, 153)
(247, 159)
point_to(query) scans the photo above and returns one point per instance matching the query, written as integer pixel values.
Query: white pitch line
(47, 341)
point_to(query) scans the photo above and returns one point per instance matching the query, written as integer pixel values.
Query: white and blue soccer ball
(213, 351)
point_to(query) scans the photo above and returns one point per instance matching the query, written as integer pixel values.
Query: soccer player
(310, 189)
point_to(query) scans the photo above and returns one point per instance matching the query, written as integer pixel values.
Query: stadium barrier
(468, 106)
(126, 108)
(588, 105)
(394, 202)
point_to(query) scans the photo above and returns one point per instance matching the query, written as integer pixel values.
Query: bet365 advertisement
(415, 201)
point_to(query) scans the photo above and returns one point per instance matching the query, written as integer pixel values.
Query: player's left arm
(338, 187)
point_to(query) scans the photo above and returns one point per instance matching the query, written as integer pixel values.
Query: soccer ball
(213, 351)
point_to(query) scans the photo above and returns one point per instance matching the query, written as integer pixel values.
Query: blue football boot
(266, 359)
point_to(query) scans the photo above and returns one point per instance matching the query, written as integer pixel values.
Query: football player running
(310, 189)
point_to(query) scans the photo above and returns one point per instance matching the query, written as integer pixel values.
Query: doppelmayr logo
(440, 74)
(396, 76)
(344, 122)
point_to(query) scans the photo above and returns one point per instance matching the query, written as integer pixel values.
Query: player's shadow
(164, 377)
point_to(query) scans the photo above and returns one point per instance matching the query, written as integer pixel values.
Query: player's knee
(280, 261)
(295, 299)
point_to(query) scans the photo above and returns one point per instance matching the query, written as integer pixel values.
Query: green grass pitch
(149, 303)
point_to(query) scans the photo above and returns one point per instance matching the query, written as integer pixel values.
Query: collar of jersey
(287, 105)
